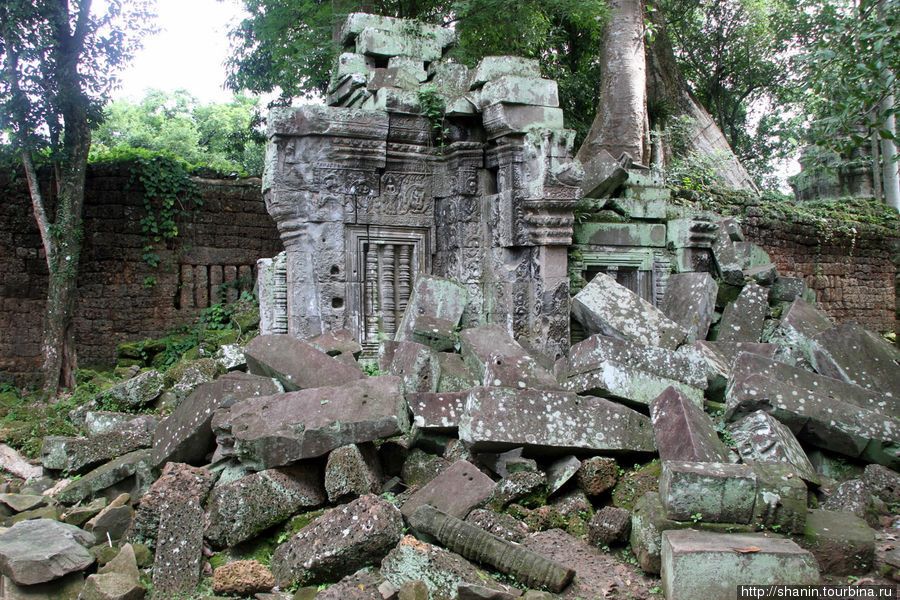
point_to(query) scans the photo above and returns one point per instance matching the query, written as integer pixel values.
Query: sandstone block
(455, 491)
(717, 492)
(296, 364)
(742, 320)
(684, 431)
(42, 550)
(842, 543)
(351, 471)
(760, 437)
(690, 301)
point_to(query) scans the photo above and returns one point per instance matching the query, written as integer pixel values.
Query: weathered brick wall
(854, 275)
(220, 241)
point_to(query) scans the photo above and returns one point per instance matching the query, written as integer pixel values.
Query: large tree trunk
(890, 165)
(666, 87)
(621, 121)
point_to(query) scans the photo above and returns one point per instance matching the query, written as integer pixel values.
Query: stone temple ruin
(499, 436)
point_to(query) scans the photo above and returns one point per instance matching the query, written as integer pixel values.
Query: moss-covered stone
(636, 483)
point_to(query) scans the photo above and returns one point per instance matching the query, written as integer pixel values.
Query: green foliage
(220, 137)
(435, 110)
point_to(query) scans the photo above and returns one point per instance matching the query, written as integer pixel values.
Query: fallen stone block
(437, 412)
(339, 542)
(590, 354)
(437, 334)
(129, 473)
(883, 483)
(365, 584)
(781, 498)
(111, 523)
(799, 324)
(690, 301)
(609, 525)
(177, 482)
(715, 492)
(351, 471)
(532, 569)
(520, 372)
(629, 384)
(455, 375)
(524, 487)
(186, 435)
(358, 21)
(547, 421)
(842, 543)
(853, 354)
(604, 306)
(415, 364)
(597, 574)
(697, 564)
(456, 491)
(119, 579)
(99, 422)
(597, 475)
(335, 343)
(442, 571)
(16, 464)
(272, 431)
(137, 391)
(743, 319)
(821, 411)
(64, 588)
(17, 503)
(42, 550)
(494, 67)
(684, 431)
(481, 346)
(242, 578)
(761, 438)
(786, 289)
(79, 454)
(855, 498)
(502, 525)
(649, 520)
(435, 298)
(179, 550)
(244, 507)
(296, 364)
(516, 89)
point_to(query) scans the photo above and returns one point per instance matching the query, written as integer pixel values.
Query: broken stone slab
(649, 520)
(442, 571)
(456, 491)
(415, 364)
(842, 543)
(684, 431)
(590, 353)
(352, 471)
(607, 307)
(717, 492)
(79, 454)
(560, 472)
(523, 487)
(735, 257)
(690, 301)
(504, 463)
(186, 435)
(177, 482)
(490, 349)
(296, 364)
(853, 497)
(132, 470)
(781, 498)
(432, 297)
(760, 437)
(336, 343)
(381, 43)
(504, 118)
(786, 289)
(42, 550)
(179, 550)
(609, 525)
(516, 89)
(490, 68)
(821, 411)
(15, 463)
(743, 319)
(629, 384)
(698, 564)
(883, 483)
(111, 523)
(242, 578)
(246, 506)
(341, 541)
(853, 354)
(475, 543)
(271, 431)
(64, 588)
(471, 591)
(799, 324)
(551, 422)
(437, 412)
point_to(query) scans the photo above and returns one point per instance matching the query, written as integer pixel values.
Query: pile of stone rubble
(460, 453)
